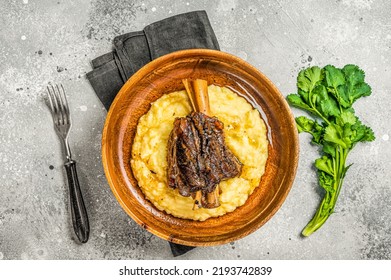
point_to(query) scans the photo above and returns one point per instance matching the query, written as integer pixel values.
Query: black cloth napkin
(135, 49)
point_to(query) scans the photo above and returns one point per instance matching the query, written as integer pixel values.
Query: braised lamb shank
(198, 158)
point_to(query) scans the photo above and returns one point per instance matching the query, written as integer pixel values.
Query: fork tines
(58, 104)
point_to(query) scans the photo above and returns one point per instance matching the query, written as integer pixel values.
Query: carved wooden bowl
(164, 75)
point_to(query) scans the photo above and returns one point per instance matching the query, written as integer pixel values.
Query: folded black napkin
(135, 49)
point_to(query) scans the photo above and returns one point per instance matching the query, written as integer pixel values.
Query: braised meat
(198, 158)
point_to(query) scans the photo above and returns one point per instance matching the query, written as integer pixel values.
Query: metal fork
(62, 123)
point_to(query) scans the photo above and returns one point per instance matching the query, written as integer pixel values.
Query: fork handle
(78, 209)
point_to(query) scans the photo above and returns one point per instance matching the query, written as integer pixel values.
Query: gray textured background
(55, 40)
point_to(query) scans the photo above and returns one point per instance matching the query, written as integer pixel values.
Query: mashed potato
(245, 135)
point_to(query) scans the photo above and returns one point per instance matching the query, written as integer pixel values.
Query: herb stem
(329, 201)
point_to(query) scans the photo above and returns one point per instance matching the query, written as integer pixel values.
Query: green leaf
(353, 73)
(346, 117)
(335, 82)
(326, 181)
(325, 164)
(329, 107)
(317, 133)
(355, 86)
(361, 133)
(334, 134)
(309, 78)
(334, 76)
(369, 135)
(340, 94)
(360, 90)
(347, 133)
(296, 101)
(324, 103)
(329, 148)
(304, 95)
(305, 124)
(348, 130)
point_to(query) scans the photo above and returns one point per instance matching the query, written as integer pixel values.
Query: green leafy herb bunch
(328, 94)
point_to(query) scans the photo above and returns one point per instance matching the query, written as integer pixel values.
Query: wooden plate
(164, 75)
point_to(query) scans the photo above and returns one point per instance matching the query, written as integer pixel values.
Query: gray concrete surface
(55, 40)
